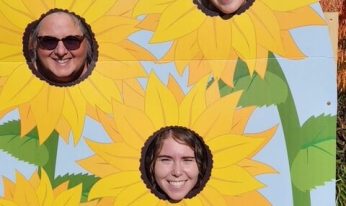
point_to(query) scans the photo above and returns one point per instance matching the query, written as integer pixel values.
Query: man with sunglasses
(61, 48)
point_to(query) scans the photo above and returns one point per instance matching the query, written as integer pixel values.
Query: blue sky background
(312, 82)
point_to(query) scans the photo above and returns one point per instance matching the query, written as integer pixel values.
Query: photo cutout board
(160, 102)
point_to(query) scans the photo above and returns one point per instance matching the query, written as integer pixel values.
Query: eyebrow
(167, 156)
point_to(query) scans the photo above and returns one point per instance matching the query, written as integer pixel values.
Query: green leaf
(257, 91)
(26, 148)
(315, 162)
(74, 179)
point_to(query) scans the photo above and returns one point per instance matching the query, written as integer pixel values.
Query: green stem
(52, 147)
(291, 128)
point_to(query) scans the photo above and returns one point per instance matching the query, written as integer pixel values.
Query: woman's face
(227, 6)
(61, 64)
(176, 170)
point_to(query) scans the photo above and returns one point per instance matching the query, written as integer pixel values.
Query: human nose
(177, 169)
(60, 49)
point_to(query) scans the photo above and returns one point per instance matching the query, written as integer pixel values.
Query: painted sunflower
(212, 45)
(38, 191)
(64, 108)
(217, 120)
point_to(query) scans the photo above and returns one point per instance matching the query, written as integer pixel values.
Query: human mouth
(225, 2)
(177, 183)
(61, 61)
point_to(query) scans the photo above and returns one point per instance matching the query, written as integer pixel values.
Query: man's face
(227, 6)
(176, 170)
(60, 64)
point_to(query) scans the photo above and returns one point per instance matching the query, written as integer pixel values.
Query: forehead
(171, 147)
(59, 24)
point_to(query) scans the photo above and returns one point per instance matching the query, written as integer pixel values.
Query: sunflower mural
(38, 191)
(233, 173)
(66, 107)
(256, 85)
(212, 45)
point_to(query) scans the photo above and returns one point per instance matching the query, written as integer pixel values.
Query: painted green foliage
(25, 148)
(316, 157)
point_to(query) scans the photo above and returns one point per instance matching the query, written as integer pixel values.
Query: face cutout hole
(175, 163)
(60, 48)
(226, 9)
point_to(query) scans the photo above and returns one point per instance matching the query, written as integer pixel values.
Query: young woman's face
(227, 6)
(176, 170)
(61, 64)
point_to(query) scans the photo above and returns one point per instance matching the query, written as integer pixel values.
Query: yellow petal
(44, 190)
(180, 18)
(137, 51)
(9, 188)
(24, 193)
(244, 36)
(99, 91)
(70, 197)
(4, 202)
(113, 28)
(27, 119)
(146, 199)
(123, 8)
(230, 149)
(214, 38)
(193, 104)
(126, 118)
(198, 69)
(187, 47)
(37, 10)
(128, 160)
(15, 11)
(256, 168)
(98, 166)
(108, 125)
(174, 87)
(287, 5)
(160, 104)
(75, 110)
(96, 10)
(20, 87)
(139, 193)
(47, 108)
(227, 74)
(112, 185)
(217, 118)
(150, 7)
(210, 196)
(212, 93)
(193, 202)
(266, 26)
(300, 17)
(241, 118)
(63, 129)
(248, 199)
(233, 180)
(120, 69)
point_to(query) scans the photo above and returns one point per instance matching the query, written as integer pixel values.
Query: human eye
(164, 159)
(189, 159)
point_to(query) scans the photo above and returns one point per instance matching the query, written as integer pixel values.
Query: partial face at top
(61, 64)
(176, 170)
(228, 6)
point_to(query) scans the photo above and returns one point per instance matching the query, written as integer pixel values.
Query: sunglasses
(50, 42)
